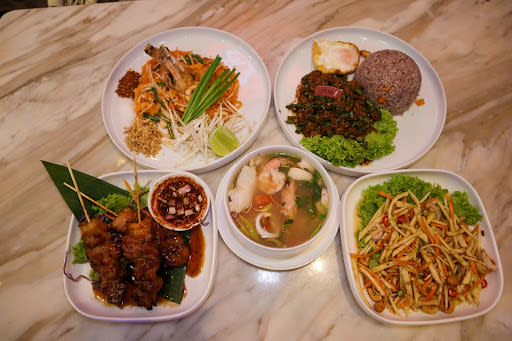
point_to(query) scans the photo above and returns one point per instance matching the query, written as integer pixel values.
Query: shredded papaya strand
(473, 267)
(389, 196)
(443, 227)
(356, 255)
(371, 275)
(423, 267)
(444, 269)
(404, 303)
(430, 201)
(403, 262)
(424, 227)
(389, 284)
(427, 282)
(476, 230)
(450, 205)
(368, 254)
(478, 282)
(431, 293)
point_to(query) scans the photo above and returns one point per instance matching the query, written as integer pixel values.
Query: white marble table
(53, 64)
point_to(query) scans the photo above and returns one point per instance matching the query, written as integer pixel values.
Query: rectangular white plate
(452, 182)
(80, 294)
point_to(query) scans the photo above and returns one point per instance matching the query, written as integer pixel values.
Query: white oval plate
(239, 248)
(81, 296)
(254, 92)
(419, 127)
(452, 182)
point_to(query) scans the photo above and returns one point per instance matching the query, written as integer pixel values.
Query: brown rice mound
(390, 79)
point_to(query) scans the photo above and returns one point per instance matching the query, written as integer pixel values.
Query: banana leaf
(90, 185)
(174, 277)
(174, 282)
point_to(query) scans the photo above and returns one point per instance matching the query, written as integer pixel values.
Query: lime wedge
(223, 141)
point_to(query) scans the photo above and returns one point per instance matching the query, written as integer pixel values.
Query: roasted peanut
(379, 306)
(430, 309)
(452, 280)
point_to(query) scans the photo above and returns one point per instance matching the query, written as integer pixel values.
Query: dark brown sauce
(197, 246)
(128, 300)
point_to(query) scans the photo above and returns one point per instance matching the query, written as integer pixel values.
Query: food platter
(254, 92)
(489, 297)
(419, 127)
(81, 296)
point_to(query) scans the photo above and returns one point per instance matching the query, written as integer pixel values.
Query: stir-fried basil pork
(347, 113)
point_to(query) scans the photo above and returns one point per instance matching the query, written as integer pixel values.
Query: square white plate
(452, 182)
(81, 296)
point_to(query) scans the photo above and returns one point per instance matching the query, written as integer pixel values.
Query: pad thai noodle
(165, 88)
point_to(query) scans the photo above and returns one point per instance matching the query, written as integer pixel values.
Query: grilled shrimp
(271, 180)
(182, 78)
(289, 206)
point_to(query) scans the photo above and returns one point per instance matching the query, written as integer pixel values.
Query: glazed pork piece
(141, 249)
(104, 256)
(126, 215)
(173, 248)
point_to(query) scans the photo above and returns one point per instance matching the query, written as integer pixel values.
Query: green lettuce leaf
(342, 151)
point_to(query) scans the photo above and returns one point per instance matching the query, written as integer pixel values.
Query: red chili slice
(328, 91)
(385, 220)
(483, 283)
(452, 292)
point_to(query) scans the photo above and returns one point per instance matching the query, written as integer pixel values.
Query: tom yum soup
(278, 200)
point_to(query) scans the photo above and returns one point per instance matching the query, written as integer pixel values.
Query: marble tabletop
(53, 65)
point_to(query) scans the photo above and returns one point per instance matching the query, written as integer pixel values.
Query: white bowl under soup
(276, 251)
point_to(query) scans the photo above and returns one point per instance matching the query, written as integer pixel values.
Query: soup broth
(278, 200)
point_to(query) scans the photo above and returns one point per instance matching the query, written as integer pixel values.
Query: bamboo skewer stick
(128, 187)
(91, 200)
(77, 190)
(136, 187)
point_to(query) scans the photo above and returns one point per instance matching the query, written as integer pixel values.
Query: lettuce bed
(341, 151)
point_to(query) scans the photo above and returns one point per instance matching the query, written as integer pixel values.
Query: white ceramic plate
(240, 245)
(80, 294)
(452, 182)
(254, 92)
(419, 127)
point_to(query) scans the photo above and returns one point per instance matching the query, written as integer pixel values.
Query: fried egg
(335, 56)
